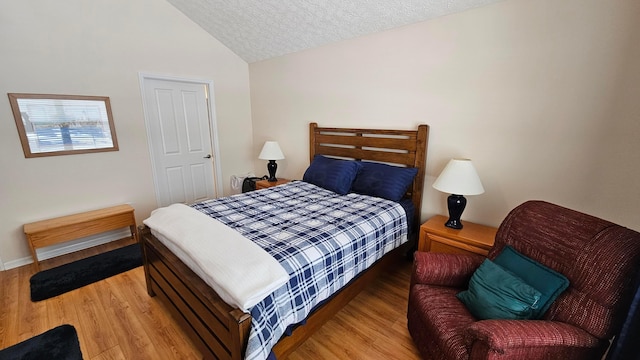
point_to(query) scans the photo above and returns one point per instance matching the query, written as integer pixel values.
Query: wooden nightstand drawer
(471, 239)
(441, 244)
(263, 184)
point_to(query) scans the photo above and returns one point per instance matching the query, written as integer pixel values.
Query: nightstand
(263, 184)
(471, 239)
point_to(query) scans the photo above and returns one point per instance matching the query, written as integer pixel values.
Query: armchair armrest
(444, 269)
(503, 335)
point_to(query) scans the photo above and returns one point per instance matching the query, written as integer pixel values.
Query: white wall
(99, 47)
(541, 94)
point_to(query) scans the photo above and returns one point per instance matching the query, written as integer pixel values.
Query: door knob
(207, 157)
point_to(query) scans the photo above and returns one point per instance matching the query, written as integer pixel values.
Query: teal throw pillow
(494, 293)
(549, 282)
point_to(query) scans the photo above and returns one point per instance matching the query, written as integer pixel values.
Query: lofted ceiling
(261, 29)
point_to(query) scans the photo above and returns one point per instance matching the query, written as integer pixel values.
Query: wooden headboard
(396, 147)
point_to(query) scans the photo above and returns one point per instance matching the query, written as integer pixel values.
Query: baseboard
(70, 246)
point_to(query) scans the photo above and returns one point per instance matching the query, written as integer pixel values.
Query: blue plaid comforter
(322, 239)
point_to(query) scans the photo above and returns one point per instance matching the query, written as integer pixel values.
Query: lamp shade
(271, 151)
(459, 177)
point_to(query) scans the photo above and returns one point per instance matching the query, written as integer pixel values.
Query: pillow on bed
(332, 174)
(382, 180)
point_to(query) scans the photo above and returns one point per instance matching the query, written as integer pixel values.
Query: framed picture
(51, 125)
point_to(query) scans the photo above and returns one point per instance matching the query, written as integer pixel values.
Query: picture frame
(50, 125)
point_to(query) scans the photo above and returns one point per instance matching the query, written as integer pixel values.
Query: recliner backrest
(599, 258)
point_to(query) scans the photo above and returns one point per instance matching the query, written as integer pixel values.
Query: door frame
(213, 128)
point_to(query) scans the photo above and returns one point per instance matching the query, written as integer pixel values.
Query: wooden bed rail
(217, 329)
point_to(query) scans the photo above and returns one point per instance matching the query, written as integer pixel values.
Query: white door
(182, 139)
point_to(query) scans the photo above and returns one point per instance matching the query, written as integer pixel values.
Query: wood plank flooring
(116, 319)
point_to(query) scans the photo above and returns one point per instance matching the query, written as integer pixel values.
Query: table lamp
(271, 151)
(458, 178)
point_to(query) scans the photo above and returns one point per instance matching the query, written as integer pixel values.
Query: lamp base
(271, 168)
(456, 205)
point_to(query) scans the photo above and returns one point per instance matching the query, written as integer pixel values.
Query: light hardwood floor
(116, 319)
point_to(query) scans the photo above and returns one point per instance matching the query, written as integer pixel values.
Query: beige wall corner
(99, 48)
(540, 94)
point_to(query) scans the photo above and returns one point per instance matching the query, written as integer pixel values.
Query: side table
(263, 184)
(471, 239)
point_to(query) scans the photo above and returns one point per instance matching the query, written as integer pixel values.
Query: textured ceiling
(261, 29)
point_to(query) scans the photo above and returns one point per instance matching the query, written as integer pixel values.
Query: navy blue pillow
(384, 181)
(332, 174)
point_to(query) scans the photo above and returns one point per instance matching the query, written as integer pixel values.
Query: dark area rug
(61, 279)
(60, 343)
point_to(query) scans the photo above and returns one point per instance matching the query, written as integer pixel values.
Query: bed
(221, 330)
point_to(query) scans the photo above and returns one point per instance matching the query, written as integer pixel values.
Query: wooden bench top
(65, 228)
(45, 225)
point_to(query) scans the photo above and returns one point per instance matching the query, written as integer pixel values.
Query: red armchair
(599, 258)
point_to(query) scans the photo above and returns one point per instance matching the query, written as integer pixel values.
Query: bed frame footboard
(217, 329)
